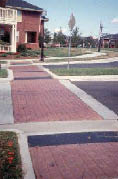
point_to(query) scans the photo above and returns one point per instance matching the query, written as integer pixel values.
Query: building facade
(20, 23)
(109, 41)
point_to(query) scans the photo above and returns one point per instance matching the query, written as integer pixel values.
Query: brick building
(20, 23)
(109, 41)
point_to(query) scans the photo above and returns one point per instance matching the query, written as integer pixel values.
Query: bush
(22, 48)
(33, 53)
(18, 56)
(4, 55)
(9, 53)
(106, 45)
(24, 54)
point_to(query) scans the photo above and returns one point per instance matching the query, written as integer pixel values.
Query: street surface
(85, 65)
(104, 92)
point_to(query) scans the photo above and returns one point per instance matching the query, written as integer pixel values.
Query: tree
(59, 38)
(47, 36)
(75, 38)
(90, 42)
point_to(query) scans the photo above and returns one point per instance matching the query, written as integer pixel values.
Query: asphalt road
(86, 65)
(104, 92)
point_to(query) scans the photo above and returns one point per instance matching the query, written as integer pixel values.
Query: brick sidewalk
(84, 161)
(37, 97)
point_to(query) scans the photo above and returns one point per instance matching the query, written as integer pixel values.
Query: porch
(8, 16)
(8, 26)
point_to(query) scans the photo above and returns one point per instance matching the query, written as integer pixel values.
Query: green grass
(110, 49)
(85, 71)
(10, 161)
(3, 62)
(3, 73)
(63, 52)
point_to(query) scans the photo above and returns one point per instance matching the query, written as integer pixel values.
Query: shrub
(106, 45)
(4, 55)
(24, 54)
(22, 48)
(9, 53)
(18, 56)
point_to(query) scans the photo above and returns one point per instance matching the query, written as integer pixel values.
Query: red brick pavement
(84, 161)
(45, 99)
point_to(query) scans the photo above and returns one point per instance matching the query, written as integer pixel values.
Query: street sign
(71, 22)
(71, 25)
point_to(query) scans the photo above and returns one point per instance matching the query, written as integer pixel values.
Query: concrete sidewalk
(38, 98)
(6, 109)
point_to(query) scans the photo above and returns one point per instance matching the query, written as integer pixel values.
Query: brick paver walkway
(84, 161)
(37, 97)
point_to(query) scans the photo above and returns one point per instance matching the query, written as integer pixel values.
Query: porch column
(13, 38)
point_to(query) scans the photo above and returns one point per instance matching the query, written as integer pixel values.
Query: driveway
(104, 92)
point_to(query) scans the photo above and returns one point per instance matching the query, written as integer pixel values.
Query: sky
(88, 15)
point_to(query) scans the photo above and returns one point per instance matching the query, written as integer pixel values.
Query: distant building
(109, 41)
(20, 23)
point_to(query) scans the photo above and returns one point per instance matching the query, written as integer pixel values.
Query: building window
(19, 13)
(17, 36)
(19, 16)
(30, 37)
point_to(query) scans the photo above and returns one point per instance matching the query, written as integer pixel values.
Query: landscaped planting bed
(3, 73)
(10, 161)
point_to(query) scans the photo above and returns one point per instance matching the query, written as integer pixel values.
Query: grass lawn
(85, 71)
(3, 73)
(10, 161)
(3, 62)
(63, 52)
(110, 49)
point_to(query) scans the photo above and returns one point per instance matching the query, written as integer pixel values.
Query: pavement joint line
(101, 109)
(58, 127)
(28, 172)
(6, 107)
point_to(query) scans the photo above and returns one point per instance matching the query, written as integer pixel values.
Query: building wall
(30, 23)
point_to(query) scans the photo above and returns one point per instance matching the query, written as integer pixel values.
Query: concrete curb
(10, 77)
(102, 110)
(25, 155)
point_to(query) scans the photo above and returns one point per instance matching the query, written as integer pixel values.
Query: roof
(110, 36)
(22, 4)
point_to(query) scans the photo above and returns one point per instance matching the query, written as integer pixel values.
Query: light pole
(42, 49)
(71, 25)
(100, 34)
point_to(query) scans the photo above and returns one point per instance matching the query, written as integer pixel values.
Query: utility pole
(42, 41)
(100, 34)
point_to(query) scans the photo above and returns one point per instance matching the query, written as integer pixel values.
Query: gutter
(25, 9)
